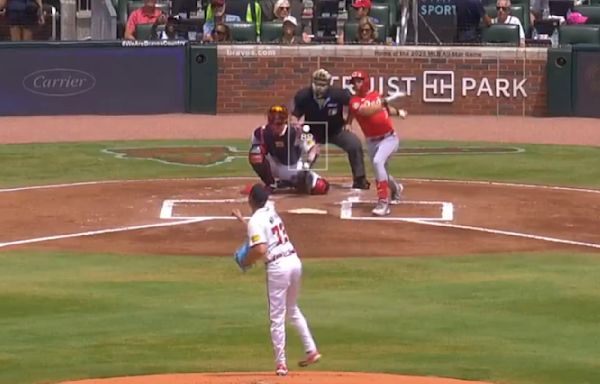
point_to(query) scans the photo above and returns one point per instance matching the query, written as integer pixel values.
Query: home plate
(308, 211)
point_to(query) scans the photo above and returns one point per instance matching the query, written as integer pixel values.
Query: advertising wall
(438, 80)
(61, 79)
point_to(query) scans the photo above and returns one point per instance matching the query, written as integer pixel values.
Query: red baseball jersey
(375, 125)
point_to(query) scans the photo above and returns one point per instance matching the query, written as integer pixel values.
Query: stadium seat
(143, 31)
(393, 12)
(506, 34)
(382, 12)
(579, 34)
(591, 11)
(351, 32)
(243, 32)
(270, 30)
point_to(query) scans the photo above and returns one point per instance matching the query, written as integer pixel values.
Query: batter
(373, 115)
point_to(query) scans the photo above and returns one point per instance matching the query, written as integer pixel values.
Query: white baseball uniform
(284, 272)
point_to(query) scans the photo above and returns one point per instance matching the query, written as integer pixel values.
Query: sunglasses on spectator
(220, 32)
(284, 8)
(502, 8)
(366, 30)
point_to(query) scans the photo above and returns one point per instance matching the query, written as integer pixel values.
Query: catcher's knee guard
(321, 187)
(312, 184)
(260, 164)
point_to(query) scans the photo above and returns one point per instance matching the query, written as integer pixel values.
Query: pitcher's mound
(270, 378)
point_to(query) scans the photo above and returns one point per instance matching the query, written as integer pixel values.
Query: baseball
(305, 128)
(402, 113)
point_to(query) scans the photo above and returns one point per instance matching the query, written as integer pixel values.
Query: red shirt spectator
(148, 14)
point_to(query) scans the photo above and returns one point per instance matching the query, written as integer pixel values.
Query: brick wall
(440, 80)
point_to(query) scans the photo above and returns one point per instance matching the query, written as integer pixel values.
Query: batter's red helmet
(366, 84)
(278, 114)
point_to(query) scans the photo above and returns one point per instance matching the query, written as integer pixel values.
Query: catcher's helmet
(365, 86)
(278, 114)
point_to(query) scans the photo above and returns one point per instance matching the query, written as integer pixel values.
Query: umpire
(320, 104)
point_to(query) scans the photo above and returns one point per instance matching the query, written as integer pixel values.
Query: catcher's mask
(321, 80)
(360, 82)
(278, 118)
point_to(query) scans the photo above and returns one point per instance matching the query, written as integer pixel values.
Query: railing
(104, 20)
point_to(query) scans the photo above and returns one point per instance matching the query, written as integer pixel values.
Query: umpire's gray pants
(351, 144)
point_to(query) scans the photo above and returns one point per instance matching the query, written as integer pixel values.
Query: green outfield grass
(505, 318)
(52, 163)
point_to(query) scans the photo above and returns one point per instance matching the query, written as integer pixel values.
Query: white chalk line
(101, 232)
(502, 232)
(446, 209)
(188, 221)
(467, 182)
(119, 155)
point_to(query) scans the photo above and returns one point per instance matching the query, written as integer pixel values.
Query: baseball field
(116, 246)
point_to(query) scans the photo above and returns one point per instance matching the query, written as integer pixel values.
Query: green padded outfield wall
(559, 72)
(203, 70)
(586, 80)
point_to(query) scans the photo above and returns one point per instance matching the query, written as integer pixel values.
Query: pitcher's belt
(280, 255)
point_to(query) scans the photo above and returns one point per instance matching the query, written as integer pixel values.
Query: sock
(382, 190)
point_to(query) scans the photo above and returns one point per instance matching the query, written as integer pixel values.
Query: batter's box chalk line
(166, 211)
(446, 210)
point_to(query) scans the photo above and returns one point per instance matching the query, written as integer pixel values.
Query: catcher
(268, 242)
(282, 155)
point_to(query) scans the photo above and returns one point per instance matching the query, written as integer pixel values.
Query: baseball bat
(395, 96)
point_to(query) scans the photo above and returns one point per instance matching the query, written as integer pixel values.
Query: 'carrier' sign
(443, 86)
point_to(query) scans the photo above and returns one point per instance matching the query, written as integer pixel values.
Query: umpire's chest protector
(330, 111)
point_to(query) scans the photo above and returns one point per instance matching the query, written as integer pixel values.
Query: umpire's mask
(321, 80)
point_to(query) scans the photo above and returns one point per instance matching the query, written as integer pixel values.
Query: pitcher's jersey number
(279, 231)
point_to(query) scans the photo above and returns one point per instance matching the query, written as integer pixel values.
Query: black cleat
(361, 183)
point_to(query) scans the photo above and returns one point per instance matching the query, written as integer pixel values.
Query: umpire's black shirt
(331, 111)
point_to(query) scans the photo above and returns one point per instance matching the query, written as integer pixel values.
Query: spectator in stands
(296, 10)
(362, 9)
(469, 15)
(22, 16)
(504, 17)
(288, 33)
(221, 33)
(539, 10)
(170, 30)
(148, 14)
(367, 33)
(215, 13)
(281, 10)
